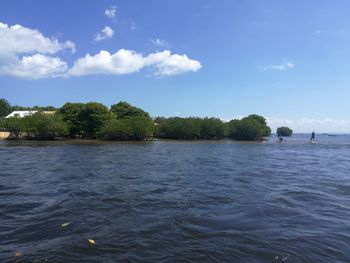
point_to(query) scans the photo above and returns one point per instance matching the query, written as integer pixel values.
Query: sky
(285, 60)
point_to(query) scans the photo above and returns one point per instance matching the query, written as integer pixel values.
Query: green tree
(284, 131)
(188, 128)
(92, 116)
(38, 126)
(212, 128)
(124, 110)
(15, 126)
(247, 129)
(19, 108)
(134, 128)
(70, 113)
(262, 120)
(5, 108)
(46, 108)
(142, 127)
(44, 126)
(231, 128)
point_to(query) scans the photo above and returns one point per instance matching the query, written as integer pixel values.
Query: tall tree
(5, 108)
(70, 113)
(92, 117)
(124, 110)
(262, 120)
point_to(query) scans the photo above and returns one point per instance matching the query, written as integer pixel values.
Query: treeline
(123, 121)
(91, 120)
(39, 126)
(6, 108)
(251, 128)
(189, 128)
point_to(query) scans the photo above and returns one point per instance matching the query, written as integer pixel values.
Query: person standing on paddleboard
(312, 136)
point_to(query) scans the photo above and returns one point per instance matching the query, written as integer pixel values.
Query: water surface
(167, 201)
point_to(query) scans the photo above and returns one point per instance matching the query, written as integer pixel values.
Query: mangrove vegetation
(284, 131)
(123, 121)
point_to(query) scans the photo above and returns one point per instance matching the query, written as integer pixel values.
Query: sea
(176, 201)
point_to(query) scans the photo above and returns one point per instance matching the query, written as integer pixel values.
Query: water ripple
(169, 201)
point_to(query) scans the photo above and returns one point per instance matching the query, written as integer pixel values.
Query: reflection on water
(175, 201)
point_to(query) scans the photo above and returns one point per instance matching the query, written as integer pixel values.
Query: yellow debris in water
(91, 241)
(65, 224)
(18, 254)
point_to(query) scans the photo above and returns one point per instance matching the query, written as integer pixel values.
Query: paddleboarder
(312, 136)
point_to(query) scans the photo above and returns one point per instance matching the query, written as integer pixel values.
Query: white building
(25, 113)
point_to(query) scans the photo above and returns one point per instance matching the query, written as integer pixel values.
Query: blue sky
(286, 60)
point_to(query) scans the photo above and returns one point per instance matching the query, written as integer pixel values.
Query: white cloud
(309, 124)
(317, 32)
(111, 12)
(127, 61)
(168, 64)
(27, 53)
(105, 33)
(24, 53)
(281, 67)
(159, 42)
(18, 39)
(121, 62)
(35, 67)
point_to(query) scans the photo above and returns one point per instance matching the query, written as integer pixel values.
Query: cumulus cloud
(127, 61)
(168, 64)
(105, 33)
(27, 53)
(18, 39)
(24, 52)
(35, 67)
(121, 62)
(159, 42)
(281, 67)
(111, 12)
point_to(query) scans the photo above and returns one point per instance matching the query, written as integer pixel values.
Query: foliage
(84, 119)
(45, 126)
(251, 128)
(262, 120)
(92, 116)
(19, 108)
(70, 114)
(124, 110)
(178, 128)
(34, 108)
(284, 131)
(46, 108)
(231, 128)
(14, 126)
(5, 108)
(212, 128)
(190, 128)
(134, 128)
(126, 122)
(36, 126)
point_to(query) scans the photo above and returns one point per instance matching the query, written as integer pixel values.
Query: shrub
(284, 131)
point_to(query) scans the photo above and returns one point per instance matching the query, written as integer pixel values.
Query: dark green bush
(284, 131)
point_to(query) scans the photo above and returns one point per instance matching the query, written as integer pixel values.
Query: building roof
(24, 113)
